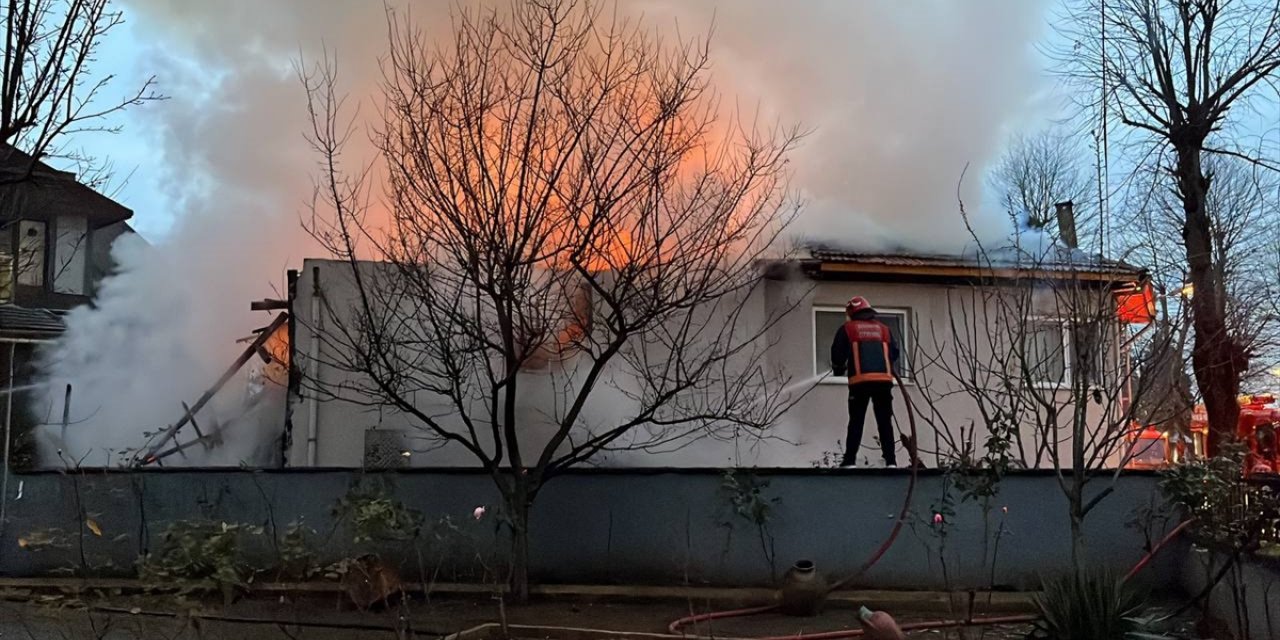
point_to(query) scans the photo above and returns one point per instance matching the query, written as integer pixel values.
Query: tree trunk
(1076, 509)
(1077, 542)
(518, 581)
(1216, 359)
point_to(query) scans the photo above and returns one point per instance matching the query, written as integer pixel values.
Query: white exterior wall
(809, 430)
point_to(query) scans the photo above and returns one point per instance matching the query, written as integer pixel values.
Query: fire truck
(1257, 429)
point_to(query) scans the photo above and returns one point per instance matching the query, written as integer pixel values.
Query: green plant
(977, 478)
(1092, 605)
(297, 557)
(745, 495)
(375, 516)
(1229, 511)
(197, 555)
(829, 459)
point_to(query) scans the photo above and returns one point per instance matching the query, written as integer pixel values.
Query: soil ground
(330, 617)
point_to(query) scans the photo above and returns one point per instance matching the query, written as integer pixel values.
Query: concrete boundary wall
(1247, 598)
(598, 526)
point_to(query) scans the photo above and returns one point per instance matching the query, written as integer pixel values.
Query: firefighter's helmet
(856, 304)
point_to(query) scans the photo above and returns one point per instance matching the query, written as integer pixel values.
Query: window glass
(1090, 348)
(1043, 352)
(6, 276)
(31, 252)
(71, 246)
(827, 321)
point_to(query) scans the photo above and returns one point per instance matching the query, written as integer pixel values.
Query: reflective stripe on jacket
(865, 351)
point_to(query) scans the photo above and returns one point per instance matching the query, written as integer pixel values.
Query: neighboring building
(55, 240)
(921, 297)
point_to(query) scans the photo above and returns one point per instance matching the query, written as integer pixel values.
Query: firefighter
(865, 350)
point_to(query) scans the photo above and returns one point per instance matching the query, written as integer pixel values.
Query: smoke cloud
(899, 98)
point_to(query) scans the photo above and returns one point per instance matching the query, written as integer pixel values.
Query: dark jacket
(876, 350)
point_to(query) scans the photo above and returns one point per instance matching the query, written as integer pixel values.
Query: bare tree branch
(568, 262)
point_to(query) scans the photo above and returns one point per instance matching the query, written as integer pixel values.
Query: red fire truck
(1257, 429)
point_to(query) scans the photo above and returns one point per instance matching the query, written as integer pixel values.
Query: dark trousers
(880, 396)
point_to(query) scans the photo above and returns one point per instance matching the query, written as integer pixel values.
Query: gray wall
(601, 526)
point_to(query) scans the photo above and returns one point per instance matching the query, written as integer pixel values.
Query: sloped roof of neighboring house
(1006, 262)
(15, 320)
(33, 188)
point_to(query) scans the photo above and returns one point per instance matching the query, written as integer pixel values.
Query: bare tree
(1243, 208)
(1037, 172)
(1173, 72)
(48, 86)
(1038, 349)
(569, 259)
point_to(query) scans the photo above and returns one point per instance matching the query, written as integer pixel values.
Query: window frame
(1068, 350)
(19, 249)
(1069, 354)
(58, 268)
(904, 346)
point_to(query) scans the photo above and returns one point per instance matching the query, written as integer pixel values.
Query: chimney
(1067, 224)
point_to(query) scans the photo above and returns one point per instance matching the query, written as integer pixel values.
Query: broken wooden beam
(194, 424)
(247, 355)
(268, 304)
(181, 448)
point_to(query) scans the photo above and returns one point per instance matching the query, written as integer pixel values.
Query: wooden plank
(268, 304)
(247, 355)
(193, 420)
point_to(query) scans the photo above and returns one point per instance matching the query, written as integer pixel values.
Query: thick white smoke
(900, 100)
(901, 97)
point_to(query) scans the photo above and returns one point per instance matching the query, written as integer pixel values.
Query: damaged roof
(36, 190)
(1051, 260)
(15, 320)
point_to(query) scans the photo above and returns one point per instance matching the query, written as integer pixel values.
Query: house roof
(36, 189)
(1041, 261)
(29, 322)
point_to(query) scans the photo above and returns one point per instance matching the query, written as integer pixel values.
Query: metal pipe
(66, 417)
(291, 388)
(8, 425)
(313, 357)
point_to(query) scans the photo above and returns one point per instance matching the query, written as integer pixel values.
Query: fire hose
(676, 625)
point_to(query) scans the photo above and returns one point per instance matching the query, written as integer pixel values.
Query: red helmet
(856, 304)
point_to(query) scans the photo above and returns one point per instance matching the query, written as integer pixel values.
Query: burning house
(984, 336)
(1046, 318)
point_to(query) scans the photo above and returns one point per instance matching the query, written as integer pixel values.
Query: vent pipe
(1067, 224)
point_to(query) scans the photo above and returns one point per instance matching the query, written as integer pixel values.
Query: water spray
(26, 387)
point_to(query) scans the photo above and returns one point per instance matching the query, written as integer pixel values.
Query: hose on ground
(1168, 537)
(913, 454)
(676, 625)
(871, 560)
